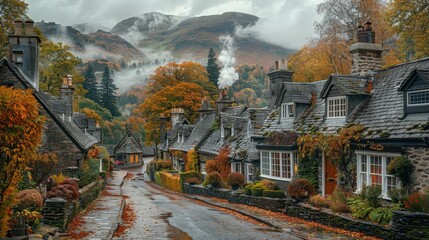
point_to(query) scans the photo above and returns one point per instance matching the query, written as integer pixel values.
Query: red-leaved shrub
(417, 202)
(29, 199)
(214, 179)
(235, 179)
(68, 190)
(211, 166)
(300, 189)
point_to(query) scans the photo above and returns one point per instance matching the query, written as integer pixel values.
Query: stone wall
(408, 225)
(200, 190)
(90, 192)
(272, 204)
(419, 157)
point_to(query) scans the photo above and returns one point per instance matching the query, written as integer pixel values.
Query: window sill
(276, 178)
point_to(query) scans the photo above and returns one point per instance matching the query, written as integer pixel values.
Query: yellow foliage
(171, 181)
(191, 160)
(58, 178)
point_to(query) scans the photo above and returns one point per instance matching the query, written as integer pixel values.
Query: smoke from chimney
(227, 75)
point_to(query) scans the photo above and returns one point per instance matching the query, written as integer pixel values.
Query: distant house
(128, 152)
(62, 134)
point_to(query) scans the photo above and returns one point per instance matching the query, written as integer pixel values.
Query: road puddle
(174, 232)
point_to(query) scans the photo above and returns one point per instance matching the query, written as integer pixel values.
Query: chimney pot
(70, 80)
(360, 28)
(29, 27)
(65, 80)
(18, 26)
(367, 26)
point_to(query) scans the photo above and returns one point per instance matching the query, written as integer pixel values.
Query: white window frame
(336, 107)
(236, 167)
(203, 168)
(267, 158)
(364, 175)
(285, 113)
(250, 170)
(416, 104)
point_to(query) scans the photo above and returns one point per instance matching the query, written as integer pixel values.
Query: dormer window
(336, 107)
(418, 98)
(288, 110)
(17, 56)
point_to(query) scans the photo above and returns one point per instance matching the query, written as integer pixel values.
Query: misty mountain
(96, 45)
(87, 28)
(191, 38)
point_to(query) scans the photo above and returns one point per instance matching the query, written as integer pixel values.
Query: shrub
(372, 195)
(397, 195)
(339, 207)
(309, 168)
(402, 168)
(417, 202)
(338, 201)
(319, 201)
(382, 215)
(248, 190)
(258, 191)
(70, 181)
(300, 189)
(268, 184)
(235, 179)
(193, 180)
(360, 208)
(214, 179)
(171, 181)
(29, 199)
(67, 190)
(274, 193)
(58, 178)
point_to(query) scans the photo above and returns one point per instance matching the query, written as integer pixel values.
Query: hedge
(170, 181)
(274, 193)
(257, 191)
(248, 190)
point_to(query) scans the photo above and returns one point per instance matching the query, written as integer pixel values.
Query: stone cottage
(128, 152)
(61, 135)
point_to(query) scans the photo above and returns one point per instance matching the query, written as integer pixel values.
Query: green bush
(397, 195)
(372, 194)
(274, 193)
(360, 208)
(248, 190)
(258, 191)
(268, 184)
(402, 168)
(382, 215)
(308, 168)
(158, 178)
(102, 175)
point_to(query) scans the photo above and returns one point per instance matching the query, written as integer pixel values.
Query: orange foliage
(211, 166)
(184, 95)
(91, 114)
(222, 162)
(94, 152)
(20, 135)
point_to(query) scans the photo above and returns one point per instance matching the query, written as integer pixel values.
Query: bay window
(372, 171)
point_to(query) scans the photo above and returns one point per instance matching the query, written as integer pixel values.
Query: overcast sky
(284, 22)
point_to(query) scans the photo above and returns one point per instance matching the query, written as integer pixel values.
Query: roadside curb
(121, 210)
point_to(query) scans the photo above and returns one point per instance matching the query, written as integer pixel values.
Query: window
(278, 165)
(203, 168)
(236, 167)
(372, 170)
(17, 56)
(416, 98)
(336, 107)
(288, 110)
(250, 170)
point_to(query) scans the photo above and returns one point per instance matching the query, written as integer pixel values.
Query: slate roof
(385, 111)
(199, 131)
(347, 84)
(128, 144)
(295, 92)
(83, 140)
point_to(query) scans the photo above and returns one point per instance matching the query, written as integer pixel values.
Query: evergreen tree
(212, 67)
(90, 85)
(108, 98)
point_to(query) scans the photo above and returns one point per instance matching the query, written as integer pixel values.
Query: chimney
(24, 50)
(223, 102)
(365, 53)
(162, 125)
(66, 94)
(177, 115)
(205, 107)
(277, 77)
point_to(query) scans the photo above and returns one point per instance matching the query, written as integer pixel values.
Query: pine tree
(108, 98)
(212, 67)
(90, 84)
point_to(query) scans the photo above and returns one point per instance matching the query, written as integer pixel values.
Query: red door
(330, 177)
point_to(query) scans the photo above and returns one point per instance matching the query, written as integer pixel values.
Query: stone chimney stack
(24, 50)
(177, 115)
(205, 107)
(223, 102)
(66, 94)
(365, 53)
(162, 125)
(278, 76)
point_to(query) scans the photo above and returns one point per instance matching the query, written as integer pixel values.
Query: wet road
(161, 215)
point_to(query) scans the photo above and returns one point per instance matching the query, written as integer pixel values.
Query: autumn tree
(9, 11)
(174, 73)
(41, 165)
(409, 19)
(183, 95)
(191, 163)
(108, 97)
(212, 67)
(20, 134)
(222, 162)
(90, 84)
(56, 60)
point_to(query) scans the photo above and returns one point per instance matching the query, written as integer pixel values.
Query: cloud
(284, 22)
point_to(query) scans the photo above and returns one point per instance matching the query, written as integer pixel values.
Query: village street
(164, 215)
